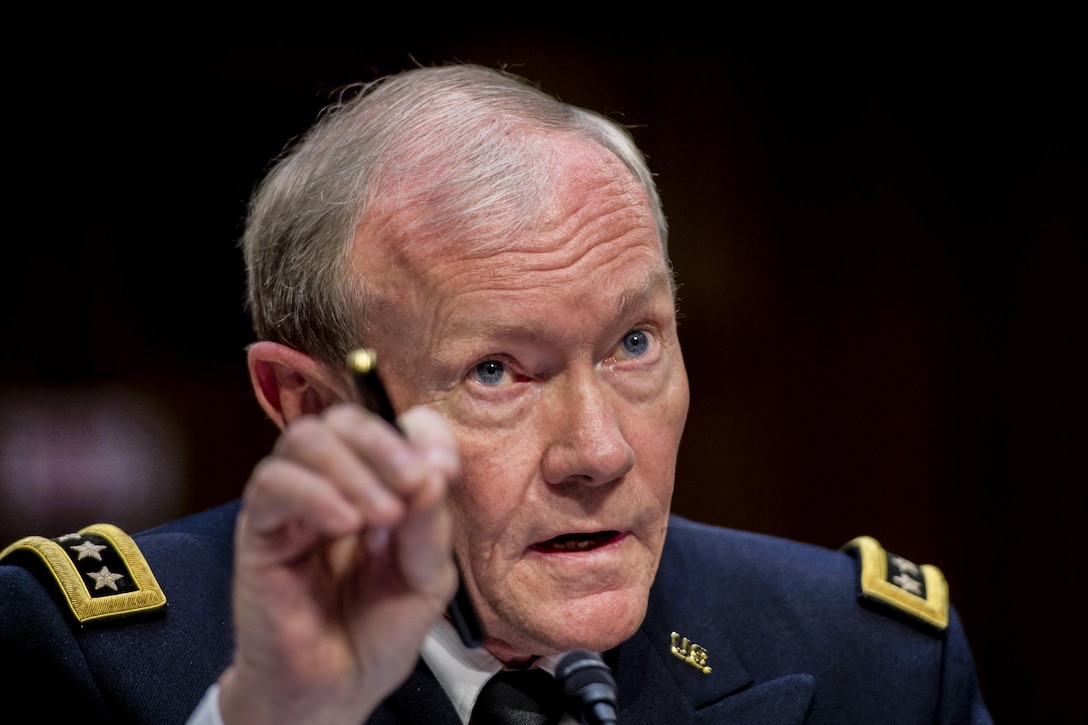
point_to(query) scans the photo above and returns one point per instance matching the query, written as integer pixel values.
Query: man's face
(557, 365)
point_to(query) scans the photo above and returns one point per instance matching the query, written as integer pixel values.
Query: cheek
(655, 436)
(659, 427)
(496, 475)
(677, 400)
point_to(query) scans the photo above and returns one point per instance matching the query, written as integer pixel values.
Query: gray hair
(464, 146)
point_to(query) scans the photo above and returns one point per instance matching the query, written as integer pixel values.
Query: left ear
(290, 384)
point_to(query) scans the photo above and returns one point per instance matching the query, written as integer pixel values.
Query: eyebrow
(656, 281)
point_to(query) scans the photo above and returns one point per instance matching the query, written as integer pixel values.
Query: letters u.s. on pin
(695, 655)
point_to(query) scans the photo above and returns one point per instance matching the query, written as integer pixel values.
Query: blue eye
(636, 343)
(490, 372)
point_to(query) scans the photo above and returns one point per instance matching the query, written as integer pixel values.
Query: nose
(587, 444)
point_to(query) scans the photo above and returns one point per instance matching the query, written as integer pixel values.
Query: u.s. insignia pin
(695, 655)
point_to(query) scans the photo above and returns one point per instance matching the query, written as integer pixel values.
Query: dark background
(881, 248)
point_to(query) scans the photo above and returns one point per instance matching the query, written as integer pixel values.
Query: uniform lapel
(657, 687)
(681, 668)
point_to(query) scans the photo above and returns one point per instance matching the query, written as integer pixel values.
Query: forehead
(589, 250)
(585, 214)
(447, 205)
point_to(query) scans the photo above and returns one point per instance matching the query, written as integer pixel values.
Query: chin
(597, 622)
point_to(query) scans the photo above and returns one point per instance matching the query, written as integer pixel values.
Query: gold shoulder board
(100, 570)
(890, 580)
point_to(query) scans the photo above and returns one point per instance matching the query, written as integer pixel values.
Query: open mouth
(577, 542)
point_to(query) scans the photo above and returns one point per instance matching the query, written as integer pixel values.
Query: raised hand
(343, 561)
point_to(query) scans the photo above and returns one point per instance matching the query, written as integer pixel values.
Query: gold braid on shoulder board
(100, 571)
(887, 580)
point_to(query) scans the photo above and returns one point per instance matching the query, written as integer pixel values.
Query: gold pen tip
(362, 360)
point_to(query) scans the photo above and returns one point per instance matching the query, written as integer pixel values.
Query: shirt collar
(463, 671)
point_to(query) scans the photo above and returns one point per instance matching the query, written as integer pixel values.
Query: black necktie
(519, 697)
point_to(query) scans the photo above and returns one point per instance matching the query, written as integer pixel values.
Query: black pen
(363, 364)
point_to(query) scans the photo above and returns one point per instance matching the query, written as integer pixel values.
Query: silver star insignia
(104, 578)
(908, 583)
(88, 549)
(906, 566)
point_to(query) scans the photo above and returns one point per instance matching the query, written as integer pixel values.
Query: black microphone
(589, 688)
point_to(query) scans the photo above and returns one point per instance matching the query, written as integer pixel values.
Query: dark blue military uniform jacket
(741, 628)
